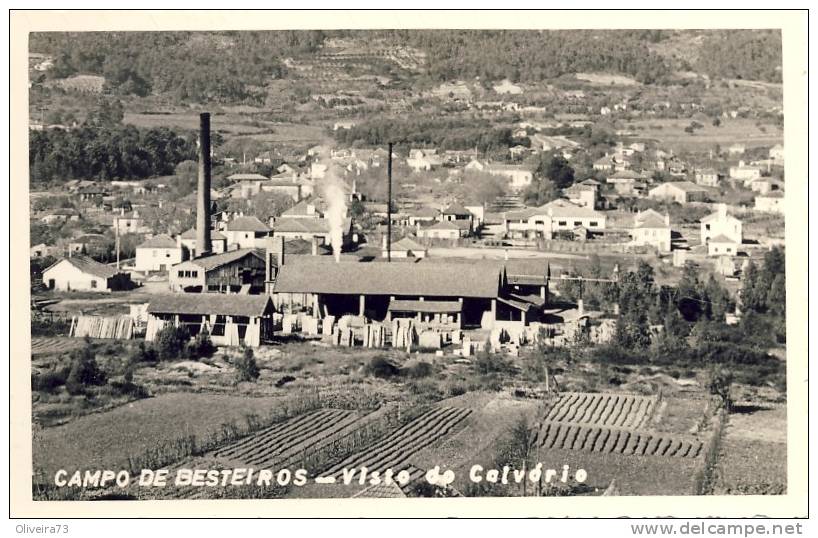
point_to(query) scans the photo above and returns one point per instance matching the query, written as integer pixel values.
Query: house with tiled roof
(158, 253)
(187, 240)
(650, 228)
(246, 232)
(772, 202)
(721, 223)
(681, 192)
(407, 247)
(81, 273)
(445, 229)
(556, 216)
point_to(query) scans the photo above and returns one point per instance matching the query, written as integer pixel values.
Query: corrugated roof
(211, 303)
(159, 241)
(651, 221)
(317, 275)
(721, 238)
(685, 186)
(247, 224)
(565, 209)
(247, 177)
(436, 307)
(456, 209)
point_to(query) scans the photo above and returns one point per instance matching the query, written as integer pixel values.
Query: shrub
(201, 346)
(487, 363)
(171, 342)
(419, 370)
(84, 371)
(51, 380)
(284, 380)
(382, 367)
(246, 367)
(144, 353)
(457, 389)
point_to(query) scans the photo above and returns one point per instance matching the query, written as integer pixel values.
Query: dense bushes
(175, 343)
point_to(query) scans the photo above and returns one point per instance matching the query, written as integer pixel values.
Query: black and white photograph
(409, 263)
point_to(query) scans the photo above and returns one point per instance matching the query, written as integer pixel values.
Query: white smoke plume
(335, 197)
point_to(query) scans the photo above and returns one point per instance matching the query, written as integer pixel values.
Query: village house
(721, 245)
(422, 215)
(519, 177)
(129, 222)
(404, 248)
(423, 160)
(708, 177)
(628, 182)
(61, 215)
(187, 241)
(444, 229)
(81, 273)
(157, 254)
(246, 232)
(288, 184)
(745, 172)
(91, 244)
(720, 224)
(772, 202)
(680, 192)
(91, 193)
(547, 220)
(776, 153)
(736, 149)
(581, 195)
(766, 185)
(236, 271)
(650, 228)
(506, 87)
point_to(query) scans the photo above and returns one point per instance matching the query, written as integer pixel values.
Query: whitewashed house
(158, 253)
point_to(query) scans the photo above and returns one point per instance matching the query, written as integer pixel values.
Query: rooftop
(319, 275)
(159, 241)
(211, 303)
(208, 263)
(247, 224)
(89, 266)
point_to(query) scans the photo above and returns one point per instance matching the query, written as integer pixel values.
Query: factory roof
(317, 275)
(211, 303)
(191, 234)
(435, 307)
(295, 224)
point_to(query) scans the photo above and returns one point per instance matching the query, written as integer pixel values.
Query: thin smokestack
(389, 205)
(203, 246)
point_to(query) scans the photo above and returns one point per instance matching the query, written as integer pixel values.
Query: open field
(107, 440)
(753, 452)
(670, 133)
(606, 79)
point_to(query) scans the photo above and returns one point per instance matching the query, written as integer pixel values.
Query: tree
(556, 169)
(246, 367)
(84, 370)
(719, 384)
(171, 342)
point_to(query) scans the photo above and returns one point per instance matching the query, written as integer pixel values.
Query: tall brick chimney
(203, 246)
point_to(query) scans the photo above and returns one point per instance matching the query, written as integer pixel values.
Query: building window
(707, 227)
(593, 224)
(93, 283)
(180, 274)
(577, 223)
(194, 274)
(562, 223)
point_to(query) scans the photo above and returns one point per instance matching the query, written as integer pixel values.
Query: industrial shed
(466, 295)
(242, 270)
(231, 320)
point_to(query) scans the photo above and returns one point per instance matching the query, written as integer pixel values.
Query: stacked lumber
(119, 327)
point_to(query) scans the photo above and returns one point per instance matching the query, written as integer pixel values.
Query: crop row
(615, 441)
(616, 410)
(281, 441)
(395, 450)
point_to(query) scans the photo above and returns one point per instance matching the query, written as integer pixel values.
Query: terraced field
(608, 440)
(281, 442)
(629, 411)
(395, 450)
(54, 344)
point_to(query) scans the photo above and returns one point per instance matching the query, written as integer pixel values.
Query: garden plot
(54, 344)
(628, 411)
(615, 441)
(281, 442)
(396, 450)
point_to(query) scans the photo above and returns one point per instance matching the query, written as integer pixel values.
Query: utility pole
(389, 205)
(116, 234)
